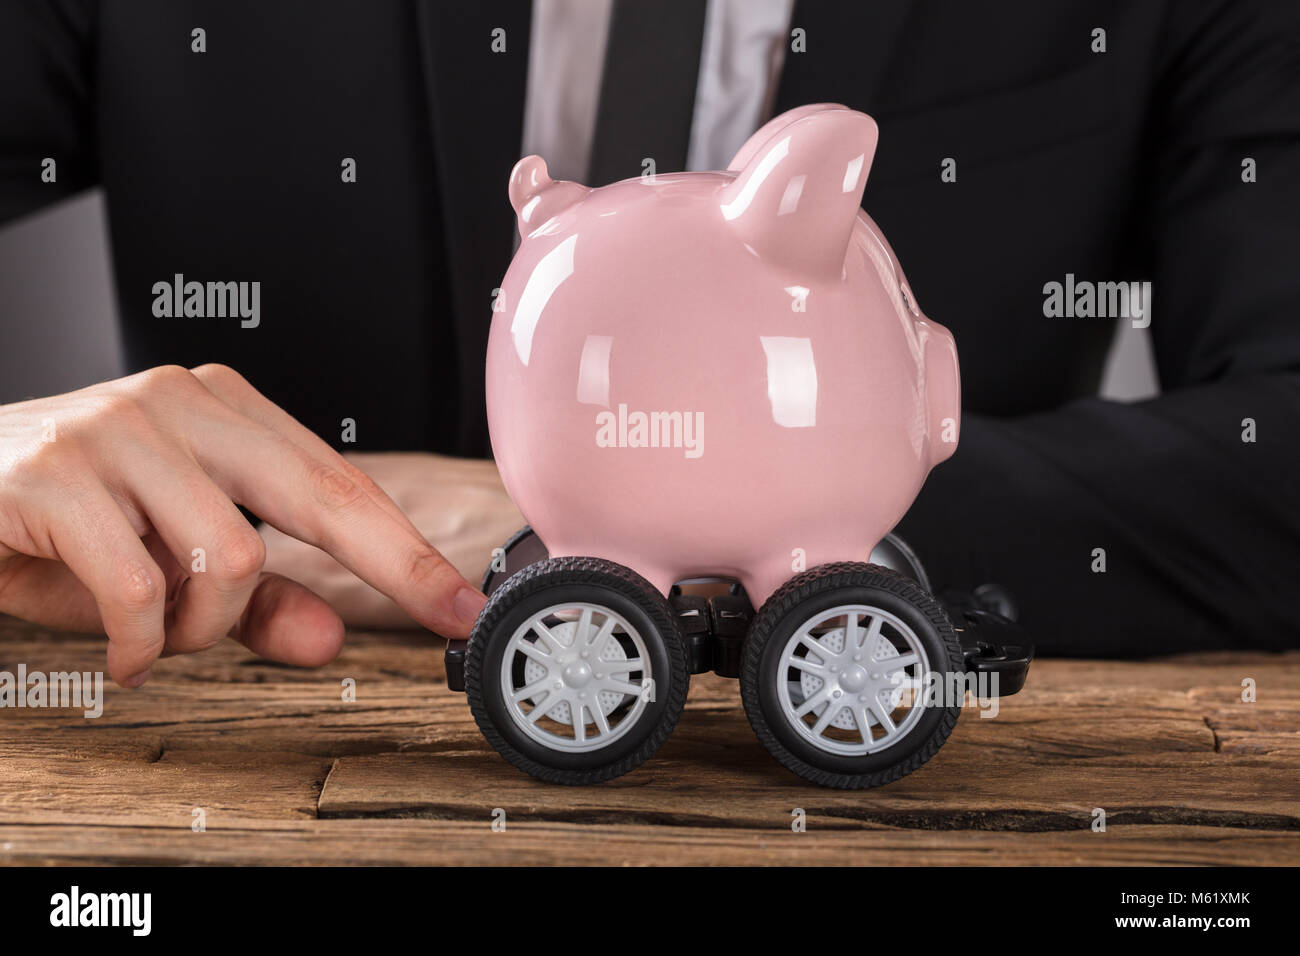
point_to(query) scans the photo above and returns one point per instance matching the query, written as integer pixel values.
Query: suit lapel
(476, 115)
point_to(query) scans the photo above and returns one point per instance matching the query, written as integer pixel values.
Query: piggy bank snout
(942, 390)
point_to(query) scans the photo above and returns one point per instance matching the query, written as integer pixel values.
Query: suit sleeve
(46, 64)
(1191, 499)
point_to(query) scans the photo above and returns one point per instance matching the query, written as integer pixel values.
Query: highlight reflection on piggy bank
(717, 375)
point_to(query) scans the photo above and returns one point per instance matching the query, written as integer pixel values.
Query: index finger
(316, 502)
(237, 392)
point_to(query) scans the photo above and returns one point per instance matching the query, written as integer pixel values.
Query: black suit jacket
(1122, 165)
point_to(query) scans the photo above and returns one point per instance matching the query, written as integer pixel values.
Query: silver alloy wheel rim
(856, 666)
(576, 674)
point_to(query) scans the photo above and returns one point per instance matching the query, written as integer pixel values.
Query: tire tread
(804, 586)
(570, 571)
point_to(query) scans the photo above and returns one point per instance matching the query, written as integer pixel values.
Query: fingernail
(467, 604)
(137, 680)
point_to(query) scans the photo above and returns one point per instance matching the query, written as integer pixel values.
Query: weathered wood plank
(1186, 770)
(959, 789)
(426, 842)
(311, 720)
(250, 789)
(293, 718)
(303, 712)
(1268, 724)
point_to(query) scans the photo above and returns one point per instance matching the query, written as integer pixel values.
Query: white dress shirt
(744, 47)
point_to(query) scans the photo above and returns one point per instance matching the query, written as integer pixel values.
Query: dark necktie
(647, 95)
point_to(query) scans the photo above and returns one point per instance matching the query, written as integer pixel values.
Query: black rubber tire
(555, 581)
(796, 601)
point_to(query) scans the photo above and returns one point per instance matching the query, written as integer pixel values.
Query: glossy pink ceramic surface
(761, 305)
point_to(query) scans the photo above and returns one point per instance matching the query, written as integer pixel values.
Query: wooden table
(284, 771)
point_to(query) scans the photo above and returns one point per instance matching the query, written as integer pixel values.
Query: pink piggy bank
(717, 375)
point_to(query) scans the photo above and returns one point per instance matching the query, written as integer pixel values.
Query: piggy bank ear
(797, 196)
(537, 197)
(771, 128)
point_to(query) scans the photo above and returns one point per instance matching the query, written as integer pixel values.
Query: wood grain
(286, 772)
(432, 842)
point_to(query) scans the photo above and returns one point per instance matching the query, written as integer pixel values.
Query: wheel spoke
(863, 717)
(873, 634)
(579, 724)
(910, 683)
(622, 667)
(606, 629)
(541, 710)
(891, 664)
(532, 690)
(622, 687)
(882, 712)
(851, 630)
(598, 712)
(548, 638)
(816, 646)
(830, 713)
(536, 653)
(804, 664)
(584, 625)
(811, 703)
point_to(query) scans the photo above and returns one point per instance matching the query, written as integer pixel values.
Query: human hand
(458, 504)
(118, 513)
